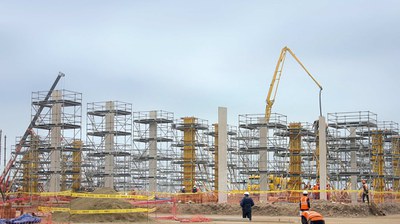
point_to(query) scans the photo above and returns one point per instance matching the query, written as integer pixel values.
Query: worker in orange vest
(311, 217)
(304, 202)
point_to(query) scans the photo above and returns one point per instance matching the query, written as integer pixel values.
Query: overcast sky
(189, 57)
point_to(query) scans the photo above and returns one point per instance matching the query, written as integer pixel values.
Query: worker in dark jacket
(246, 203)
(311, 217)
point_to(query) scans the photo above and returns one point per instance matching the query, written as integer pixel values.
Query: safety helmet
(305, 192)
(246, 193)
(183, 187)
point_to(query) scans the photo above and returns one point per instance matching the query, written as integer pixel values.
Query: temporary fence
(45, 203)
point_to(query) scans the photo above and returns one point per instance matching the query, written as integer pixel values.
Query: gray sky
(189, 57)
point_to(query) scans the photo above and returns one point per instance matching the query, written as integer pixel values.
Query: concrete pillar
(262, 164)
(353, 165)
(222, 155)
(153, 152)
(109, 145)
(55, 141)
(322, 157)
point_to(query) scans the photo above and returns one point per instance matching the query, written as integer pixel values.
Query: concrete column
(262, 164)
(153, 152)
(109, 145)
(222, 155)
(55, 141)
(322, 157)
(353, 165)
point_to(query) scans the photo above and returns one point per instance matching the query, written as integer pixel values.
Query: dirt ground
(282, 212)
(226, 219)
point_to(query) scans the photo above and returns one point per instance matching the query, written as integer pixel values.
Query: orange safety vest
(312, 216)
(304, 203)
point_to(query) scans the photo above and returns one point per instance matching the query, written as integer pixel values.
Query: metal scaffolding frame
(51, 151)
(153, 154)
(273, 150)
(109, 144)
(195, 160)
(232, 156)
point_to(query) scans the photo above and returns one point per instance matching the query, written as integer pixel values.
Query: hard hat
(183, 187)
(246, 193)
(305, 192)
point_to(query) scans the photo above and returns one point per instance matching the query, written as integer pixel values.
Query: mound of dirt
(328, 209)
(99, 204)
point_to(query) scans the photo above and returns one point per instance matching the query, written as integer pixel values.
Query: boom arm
(25, 136)
(273, 87)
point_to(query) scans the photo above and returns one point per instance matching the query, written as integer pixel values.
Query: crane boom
(18, 148)
(273, 87)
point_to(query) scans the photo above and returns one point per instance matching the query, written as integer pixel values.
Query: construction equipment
(273, 88)
(4, 178)
(274, 182)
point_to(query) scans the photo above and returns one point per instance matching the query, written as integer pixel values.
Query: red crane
(4, 178)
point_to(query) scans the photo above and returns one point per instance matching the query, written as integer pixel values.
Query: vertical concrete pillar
(55, 141)
(153, 152)
(262, 164)
(353, 165)
(109, 145)
(222, 155)
(322, 157)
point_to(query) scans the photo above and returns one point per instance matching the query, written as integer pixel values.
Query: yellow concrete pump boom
(273, 88)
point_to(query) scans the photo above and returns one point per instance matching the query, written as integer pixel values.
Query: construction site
(151, 166)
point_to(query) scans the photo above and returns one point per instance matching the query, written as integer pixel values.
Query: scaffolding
(109, 143)
(232, 156)
(46, 157)
(262, 146)
(153, 169)
(195, 159)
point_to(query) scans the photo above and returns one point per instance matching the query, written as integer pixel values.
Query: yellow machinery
(275, 183)
(295, 128)
(273, 88)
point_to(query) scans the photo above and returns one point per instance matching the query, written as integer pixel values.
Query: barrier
(103, 211)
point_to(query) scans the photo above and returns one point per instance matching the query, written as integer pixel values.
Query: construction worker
(194, 190)
(316, 191)
(304, 202)
(246, 203)
(365, 191)
(183, 190)
(311, 217)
